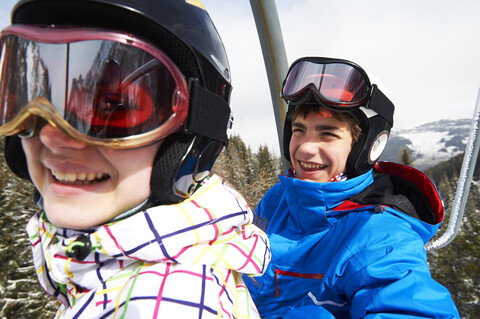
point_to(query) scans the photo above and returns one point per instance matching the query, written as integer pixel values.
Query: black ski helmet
(375, 119)
(184, 31)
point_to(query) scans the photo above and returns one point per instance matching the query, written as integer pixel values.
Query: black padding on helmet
(171, 153)
(181, 159)
(287, 133)
(358, 161)
(209, 114)
(381, 104)
(15, 157)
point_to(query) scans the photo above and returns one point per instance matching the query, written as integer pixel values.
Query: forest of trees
(457, 266)
(252, 173)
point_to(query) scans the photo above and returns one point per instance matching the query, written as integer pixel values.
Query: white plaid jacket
(175, 261)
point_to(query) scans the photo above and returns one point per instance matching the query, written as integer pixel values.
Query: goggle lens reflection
(106, 88)
(338, 84)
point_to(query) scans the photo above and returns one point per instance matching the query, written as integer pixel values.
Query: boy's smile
(319, 146)
(311, 166)
(84, 186)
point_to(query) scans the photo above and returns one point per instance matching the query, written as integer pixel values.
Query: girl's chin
(75, 215)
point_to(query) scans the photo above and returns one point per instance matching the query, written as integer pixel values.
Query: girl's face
(320, 146)
(84, 186)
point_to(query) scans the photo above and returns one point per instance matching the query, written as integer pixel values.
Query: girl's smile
(84, 186)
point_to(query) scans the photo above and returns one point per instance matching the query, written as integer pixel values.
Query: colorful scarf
(174, 261)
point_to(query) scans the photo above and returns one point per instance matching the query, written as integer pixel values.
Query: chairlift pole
(275, 58)
(464, 182)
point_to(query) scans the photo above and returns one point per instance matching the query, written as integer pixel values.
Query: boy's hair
(308, 108)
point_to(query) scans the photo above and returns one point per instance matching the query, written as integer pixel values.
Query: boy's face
(84, 186)
(320, 146)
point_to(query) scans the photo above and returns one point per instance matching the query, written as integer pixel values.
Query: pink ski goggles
(106, 89)
(339, 84)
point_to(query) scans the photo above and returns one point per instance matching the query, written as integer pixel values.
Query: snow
(430, 143)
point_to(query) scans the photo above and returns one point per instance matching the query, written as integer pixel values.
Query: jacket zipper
(292, 274)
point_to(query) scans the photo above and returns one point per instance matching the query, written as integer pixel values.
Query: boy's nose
(55, 139)
(309, 147)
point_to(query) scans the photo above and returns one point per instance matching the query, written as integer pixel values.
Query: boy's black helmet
(341, 86)
(184, 31)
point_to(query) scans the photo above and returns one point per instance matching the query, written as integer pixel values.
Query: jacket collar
(309, 202)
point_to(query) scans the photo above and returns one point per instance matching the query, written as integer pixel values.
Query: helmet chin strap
(173, 151)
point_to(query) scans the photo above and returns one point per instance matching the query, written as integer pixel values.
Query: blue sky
(424, 52)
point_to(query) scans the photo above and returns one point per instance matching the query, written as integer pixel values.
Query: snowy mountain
(429, 144)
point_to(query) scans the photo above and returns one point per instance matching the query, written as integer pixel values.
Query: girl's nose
(55, 139)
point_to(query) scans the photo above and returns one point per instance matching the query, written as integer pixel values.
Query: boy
(116, 111)
(347, 241)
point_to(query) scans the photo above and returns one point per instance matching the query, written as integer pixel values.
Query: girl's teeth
(70, 177)
(58, 175)
(78, 177)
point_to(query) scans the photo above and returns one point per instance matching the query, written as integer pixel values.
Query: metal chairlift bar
(464, 183)
(275, 58)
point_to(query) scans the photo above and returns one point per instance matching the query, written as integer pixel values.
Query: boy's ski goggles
(103, 88)
(339, 84)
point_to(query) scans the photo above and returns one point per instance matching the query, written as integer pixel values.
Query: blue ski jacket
(352, 249)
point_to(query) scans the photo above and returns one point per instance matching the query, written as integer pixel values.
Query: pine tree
(405, 157)
(456, 266)
(267, 168)
(22, 295)
(235, 164)
(251, 175)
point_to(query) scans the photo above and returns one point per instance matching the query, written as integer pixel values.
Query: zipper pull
(380, 209)
(80, 248)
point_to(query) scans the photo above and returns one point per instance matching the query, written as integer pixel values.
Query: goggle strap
(208, 115)
(381, 104)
